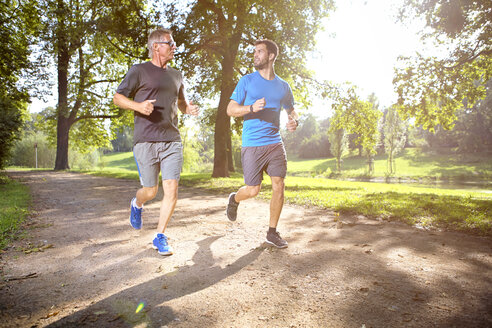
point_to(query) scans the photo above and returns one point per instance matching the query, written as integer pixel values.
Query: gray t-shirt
(147, 81)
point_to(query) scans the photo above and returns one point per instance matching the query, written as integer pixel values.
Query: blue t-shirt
(262, 128)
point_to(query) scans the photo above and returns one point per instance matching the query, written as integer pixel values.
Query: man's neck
(268, 73)
(157, 62)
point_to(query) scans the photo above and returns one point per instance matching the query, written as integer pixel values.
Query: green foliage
(86, 160)
(432, 89)
(316, 146)
(11, 119)
(413, 165)
(338, 146)
(394, 136)
(309, 140)
(14, 208)
(18, 21)
(92, 44)
(217, 40)
(24, 151)
(191, 151)
(123, 139)
(359, 117)
(210, 33)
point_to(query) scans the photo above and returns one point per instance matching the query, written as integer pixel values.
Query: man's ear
(271, 56)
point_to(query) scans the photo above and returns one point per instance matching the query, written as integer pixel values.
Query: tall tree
(338, 145)
(18, 23)
(360, 117)
(91, 43)
(394, 136)
(217, 38)
(432, 89)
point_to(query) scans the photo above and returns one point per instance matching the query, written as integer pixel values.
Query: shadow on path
(119, 309)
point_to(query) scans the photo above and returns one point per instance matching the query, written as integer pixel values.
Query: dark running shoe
(232, 207)
(273, 238)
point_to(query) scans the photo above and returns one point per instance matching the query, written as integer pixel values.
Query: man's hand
(259, 105)
(146, 107)
(192, 109)
(291, 124)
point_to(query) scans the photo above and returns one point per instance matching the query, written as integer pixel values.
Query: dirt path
(371, 273)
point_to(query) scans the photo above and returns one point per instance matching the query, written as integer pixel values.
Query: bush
(24, 152)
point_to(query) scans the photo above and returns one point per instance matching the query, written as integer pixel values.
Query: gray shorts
(270, 158)
(152, 157)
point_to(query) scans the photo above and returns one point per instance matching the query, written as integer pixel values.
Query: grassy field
(410, 164)
(14, 207)
(426, 206)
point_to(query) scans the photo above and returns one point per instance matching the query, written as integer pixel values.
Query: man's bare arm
(146, 107)
(236, 110)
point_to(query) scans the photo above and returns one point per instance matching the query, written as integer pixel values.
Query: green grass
(14, 208)
(410, 164)
(454, 209)
(469, 211)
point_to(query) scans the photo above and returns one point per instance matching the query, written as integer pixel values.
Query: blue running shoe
(135, 216)
(160, 243)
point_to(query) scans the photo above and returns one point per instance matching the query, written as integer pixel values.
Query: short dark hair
(271, 46)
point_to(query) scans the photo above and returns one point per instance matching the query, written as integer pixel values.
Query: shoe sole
(227, 214)
(230, 219)
(269, 242)
(160, 253)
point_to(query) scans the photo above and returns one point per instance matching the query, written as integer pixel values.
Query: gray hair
(156, 36)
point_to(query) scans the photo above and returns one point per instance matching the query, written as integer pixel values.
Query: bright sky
(361, 44)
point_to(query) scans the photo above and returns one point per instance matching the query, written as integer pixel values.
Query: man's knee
(278, 185)
(170, 188)
(149, 192)
(253, 191)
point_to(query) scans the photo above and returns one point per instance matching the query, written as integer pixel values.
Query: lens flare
(140, 307)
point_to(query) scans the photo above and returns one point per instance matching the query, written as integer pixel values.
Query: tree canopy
(18, 21)
(431, 89)
(92, 44)
(217, 37)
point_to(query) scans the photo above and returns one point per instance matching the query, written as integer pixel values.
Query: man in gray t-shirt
(155, 92)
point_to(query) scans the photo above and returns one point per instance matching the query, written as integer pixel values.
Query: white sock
(135, 203)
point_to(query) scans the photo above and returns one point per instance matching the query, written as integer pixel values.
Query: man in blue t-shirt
(258, 98)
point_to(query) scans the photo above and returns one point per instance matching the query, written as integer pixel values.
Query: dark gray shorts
(270, 158)
(152, 157)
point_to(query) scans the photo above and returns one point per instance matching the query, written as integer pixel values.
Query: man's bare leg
(247, 192)
(145, 194)
(243, 193)
(277, 201)
(168, 203)
(276, 205)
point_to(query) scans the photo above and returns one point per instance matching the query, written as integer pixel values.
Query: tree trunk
(62, 131)
(222, 133)
(222, 137)
(230, 158)
(63, 123)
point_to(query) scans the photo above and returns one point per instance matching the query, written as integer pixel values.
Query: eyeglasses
(170, 43)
